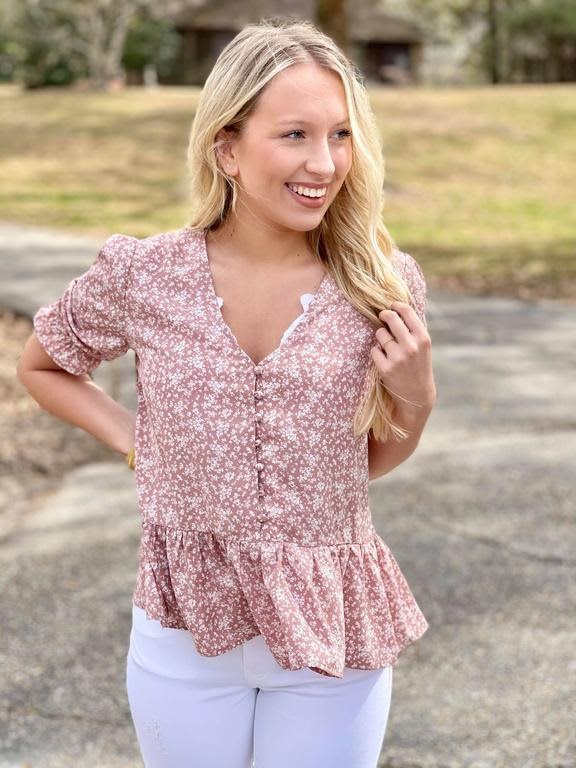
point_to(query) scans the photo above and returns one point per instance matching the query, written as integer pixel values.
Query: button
(257, 440)
(257, 395)
(259, 466)
(262, 519)
(261, 493)
(258, 417)
(258, 370)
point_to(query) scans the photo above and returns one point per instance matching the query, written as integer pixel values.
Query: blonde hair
(352, 240)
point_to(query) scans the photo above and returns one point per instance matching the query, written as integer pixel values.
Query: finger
(380, 359)
(384, 339)
(383, 334)
(408, 315)
(396, 325)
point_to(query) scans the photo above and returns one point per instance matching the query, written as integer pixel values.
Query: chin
(303, 227)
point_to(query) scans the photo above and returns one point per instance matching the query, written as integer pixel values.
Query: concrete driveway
(480, 519)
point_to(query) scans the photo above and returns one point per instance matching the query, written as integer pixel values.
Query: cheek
(344, 162)
(263, 162)
(270, 174)
(271, 160)
(282, 164)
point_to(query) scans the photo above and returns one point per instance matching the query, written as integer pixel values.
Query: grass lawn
(480, 181)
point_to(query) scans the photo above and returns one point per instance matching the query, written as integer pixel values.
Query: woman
(282, 361)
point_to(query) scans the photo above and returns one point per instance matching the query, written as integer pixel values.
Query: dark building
(387, 48)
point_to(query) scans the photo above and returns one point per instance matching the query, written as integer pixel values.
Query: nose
(320, 161)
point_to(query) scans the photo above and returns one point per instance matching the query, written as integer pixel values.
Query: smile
(307, 191)
(303, 200)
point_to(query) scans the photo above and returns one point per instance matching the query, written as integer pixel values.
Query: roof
(230, 14)
(366, 24)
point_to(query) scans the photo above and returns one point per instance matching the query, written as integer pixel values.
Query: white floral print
(252, 488)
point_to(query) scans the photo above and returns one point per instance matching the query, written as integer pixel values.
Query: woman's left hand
(403, 357)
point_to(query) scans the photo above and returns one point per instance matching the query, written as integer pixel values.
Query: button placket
(258, 370)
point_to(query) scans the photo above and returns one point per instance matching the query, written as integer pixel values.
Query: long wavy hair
(352, 241)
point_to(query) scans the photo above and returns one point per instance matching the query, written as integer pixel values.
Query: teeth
(307, 192)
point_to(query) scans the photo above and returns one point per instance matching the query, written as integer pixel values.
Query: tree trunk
(330, 16)
(108, 24)
(493, 42)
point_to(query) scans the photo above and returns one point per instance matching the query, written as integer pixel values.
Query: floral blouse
(252, 487)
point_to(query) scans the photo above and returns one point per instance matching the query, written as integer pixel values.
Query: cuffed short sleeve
(413, 276)
(87, 324)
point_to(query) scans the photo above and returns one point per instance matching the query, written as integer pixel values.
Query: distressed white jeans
(243, 710)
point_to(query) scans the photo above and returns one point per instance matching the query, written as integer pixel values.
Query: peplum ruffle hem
(323, 607)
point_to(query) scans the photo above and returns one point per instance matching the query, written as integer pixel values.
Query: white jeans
(242, 709)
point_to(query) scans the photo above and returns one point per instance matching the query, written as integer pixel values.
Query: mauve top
(252, 488)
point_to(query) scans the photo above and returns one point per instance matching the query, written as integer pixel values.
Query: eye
(344, 133)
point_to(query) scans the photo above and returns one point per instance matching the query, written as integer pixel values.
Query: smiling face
(298, 134)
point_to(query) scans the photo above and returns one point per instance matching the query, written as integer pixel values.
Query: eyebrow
(291, 120)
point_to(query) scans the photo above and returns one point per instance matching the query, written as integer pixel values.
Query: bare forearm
(384, 456)
(79, 401)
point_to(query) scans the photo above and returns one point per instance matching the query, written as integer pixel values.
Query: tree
(493, 39)
(88, 38)
(85, 38)
(551, 26)
(150, 42)
(547, 23)
(451, 17)
(330, 16)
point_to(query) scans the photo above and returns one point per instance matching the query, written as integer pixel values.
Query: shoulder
(407, 266)
(117, 250)
(412, 274)
(124, 254)
(109, 268)
(173, 238)
(167, 247)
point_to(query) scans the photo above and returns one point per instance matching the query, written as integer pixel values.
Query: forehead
(303, 91)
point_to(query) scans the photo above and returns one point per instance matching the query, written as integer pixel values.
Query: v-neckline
(213, 301)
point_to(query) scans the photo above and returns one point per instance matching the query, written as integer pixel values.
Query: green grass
(480, 181)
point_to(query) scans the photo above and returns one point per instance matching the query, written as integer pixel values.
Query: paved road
(480, 518)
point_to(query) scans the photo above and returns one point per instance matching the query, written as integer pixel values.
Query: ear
(225, 151)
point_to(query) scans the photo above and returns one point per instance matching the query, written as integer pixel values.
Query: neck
(256, 246)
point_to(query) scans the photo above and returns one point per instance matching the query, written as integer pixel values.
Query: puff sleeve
(413, 276)
(87, 324)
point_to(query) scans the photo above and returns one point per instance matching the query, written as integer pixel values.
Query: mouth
(307, 201)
